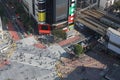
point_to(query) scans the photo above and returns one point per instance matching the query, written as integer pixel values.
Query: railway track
(108, 21)
(92, 26)
(97, 13)
(92, 14)
(92, 19)
(105, 15)
(96, 20)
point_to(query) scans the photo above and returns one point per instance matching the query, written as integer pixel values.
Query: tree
(5, 20)
(117, 5)
(78, 49)
(19, 9)
(59, 33)
(1, 11)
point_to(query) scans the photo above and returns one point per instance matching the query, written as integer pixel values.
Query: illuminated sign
(72, 6)
(70, 19)
(44, 29)
(41, 16)
(71, 26)
(42, 10)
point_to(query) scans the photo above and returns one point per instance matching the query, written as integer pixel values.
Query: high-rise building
(50, 14)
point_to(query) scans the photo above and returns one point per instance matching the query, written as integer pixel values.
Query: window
(44, 27)
(41, 6)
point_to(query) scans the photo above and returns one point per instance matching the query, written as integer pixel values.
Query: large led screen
(61, 10)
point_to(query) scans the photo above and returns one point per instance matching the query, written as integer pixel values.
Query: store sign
(71, 11)
(71, 27)
(41, 16)
(41, 10)
(44, 28)
(71, 19)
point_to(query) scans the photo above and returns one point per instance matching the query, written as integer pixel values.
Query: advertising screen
(61, 10)
(41, 16)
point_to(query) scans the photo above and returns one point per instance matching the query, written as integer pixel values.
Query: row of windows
(41, 6)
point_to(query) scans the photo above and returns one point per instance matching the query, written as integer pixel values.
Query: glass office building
(52, 13)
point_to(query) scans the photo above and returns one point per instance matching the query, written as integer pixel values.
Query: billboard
(41, 16)
(42, 11)
(61, 10)
(72, 6)
(44, 29)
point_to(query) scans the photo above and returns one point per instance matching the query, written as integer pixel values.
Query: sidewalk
(12, 32)
(21, 26)
(39, 45)
(69, 41)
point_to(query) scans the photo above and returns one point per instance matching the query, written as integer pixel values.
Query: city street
(89, 66)
(59, 40)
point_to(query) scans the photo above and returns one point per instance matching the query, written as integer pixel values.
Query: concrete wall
(1, 29)
(114, 36)
(114, 48)
(29, 5)
(106, 3)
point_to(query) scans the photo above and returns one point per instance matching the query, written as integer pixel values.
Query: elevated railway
(92, 26)
(92, 19)
(92, 13)
(95, 18)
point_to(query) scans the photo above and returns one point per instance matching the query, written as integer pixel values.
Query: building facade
(114, 40)
(104, 4)
(51, 14)
(85, 3)
(1, 29)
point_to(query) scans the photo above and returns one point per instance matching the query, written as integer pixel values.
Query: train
(110, 23)
(114, 40)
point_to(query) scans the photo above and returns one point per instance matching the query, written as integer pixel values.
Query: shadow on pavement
(103, 58)
(85, 73)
